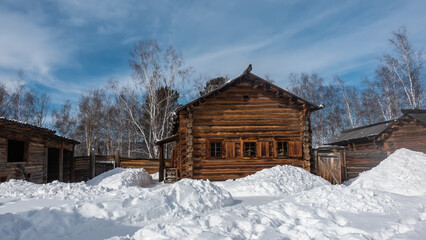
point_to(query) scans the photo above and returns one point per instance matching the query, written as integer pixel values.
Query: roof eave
(313, 107)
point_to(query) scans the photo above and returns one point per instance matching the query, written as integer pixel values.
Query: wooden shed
(34, 153)
(244, 126)
(367, 146)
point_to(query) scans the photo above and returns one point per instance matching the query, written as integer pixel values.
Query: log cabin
(243, 126)
(367, 146)
(34, 153)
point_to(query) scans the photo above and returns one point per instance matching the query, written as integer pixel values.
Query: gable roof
(247, 75)
(418, 114)
(51, 133)
(375, 130)
(366, 132)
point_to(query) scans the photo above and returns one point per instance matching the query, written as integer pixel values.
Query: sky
(66, 47)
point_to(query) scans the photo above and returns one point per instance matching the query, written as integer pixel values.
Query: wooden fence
(81, 169)
(87, 167)
(150, 165)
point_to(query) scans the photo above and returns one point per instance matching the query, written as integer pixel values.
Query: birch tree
(17, 96)
(149, 108)
(4, 101)
(311, 88)
(351, 102)
(91, 112)
(406, 66)
(399, 81)
(63, 120)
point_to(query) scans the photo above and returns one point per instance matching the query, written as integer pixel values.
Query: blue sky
(68, 46)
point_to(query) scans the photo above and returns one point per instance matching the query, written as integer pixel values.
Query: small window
(282, 148)
(249, 149)
(216, 149)
(15, 151)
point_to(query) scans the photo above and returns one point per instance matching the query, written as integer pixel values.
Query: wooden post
(189, 148)
(316, 162)
(72, 166)
(343, 161)
(61, 164)
(46, 164)
(161, 160)
(92, 163)
(117, 158)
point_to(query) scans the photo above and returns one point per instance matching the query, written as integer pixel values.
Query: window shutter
(264, 149)
(258, 149)
(230, 149)
(294, 149)
(207, 149)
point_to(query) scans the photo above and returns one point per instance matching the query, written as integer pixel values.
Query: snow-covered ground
(284, 202)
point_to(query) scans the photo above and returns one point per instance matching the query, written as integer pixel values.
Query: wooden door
(329, 167)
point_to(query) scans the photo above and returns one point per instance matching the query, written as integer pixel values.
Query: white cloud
(28, 46)
(355, 48)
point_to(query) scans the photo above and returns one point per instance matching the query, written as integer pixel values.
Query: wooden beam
(61, 164)
(167, 140)
(46, 158)
(92, 163)
(72, 165)
(161, 160)
(117, 158)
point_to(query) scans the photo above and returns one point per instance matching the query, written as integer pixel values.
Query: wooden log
(92, 163)
(61, 165)
(161, 160)
(117, 158)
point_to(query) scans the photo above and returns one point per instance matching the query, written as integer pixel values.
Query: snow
(276, 181)
(120, 177)
(284, 202)
(403, 172)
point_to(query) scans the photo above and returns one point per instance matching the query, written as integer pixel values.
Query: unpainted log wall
(362, 160)
(410, 134)
(242, 114)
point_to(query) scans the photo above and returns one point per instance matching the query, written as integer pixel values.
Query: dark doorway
(52, 164)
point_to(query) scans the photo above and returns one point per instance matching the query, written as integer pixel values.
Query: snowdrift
(299, 206)
(274, 182)
(337, 198)
(97, 206)
(54, 190)
(403, 172)
(186, 197)
(121, 177)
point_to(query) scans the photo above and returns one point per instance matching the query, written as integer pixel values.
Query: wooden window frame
(277, 145)
(243, 148)
(25, 153)
(294, 148)
(208, 147)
